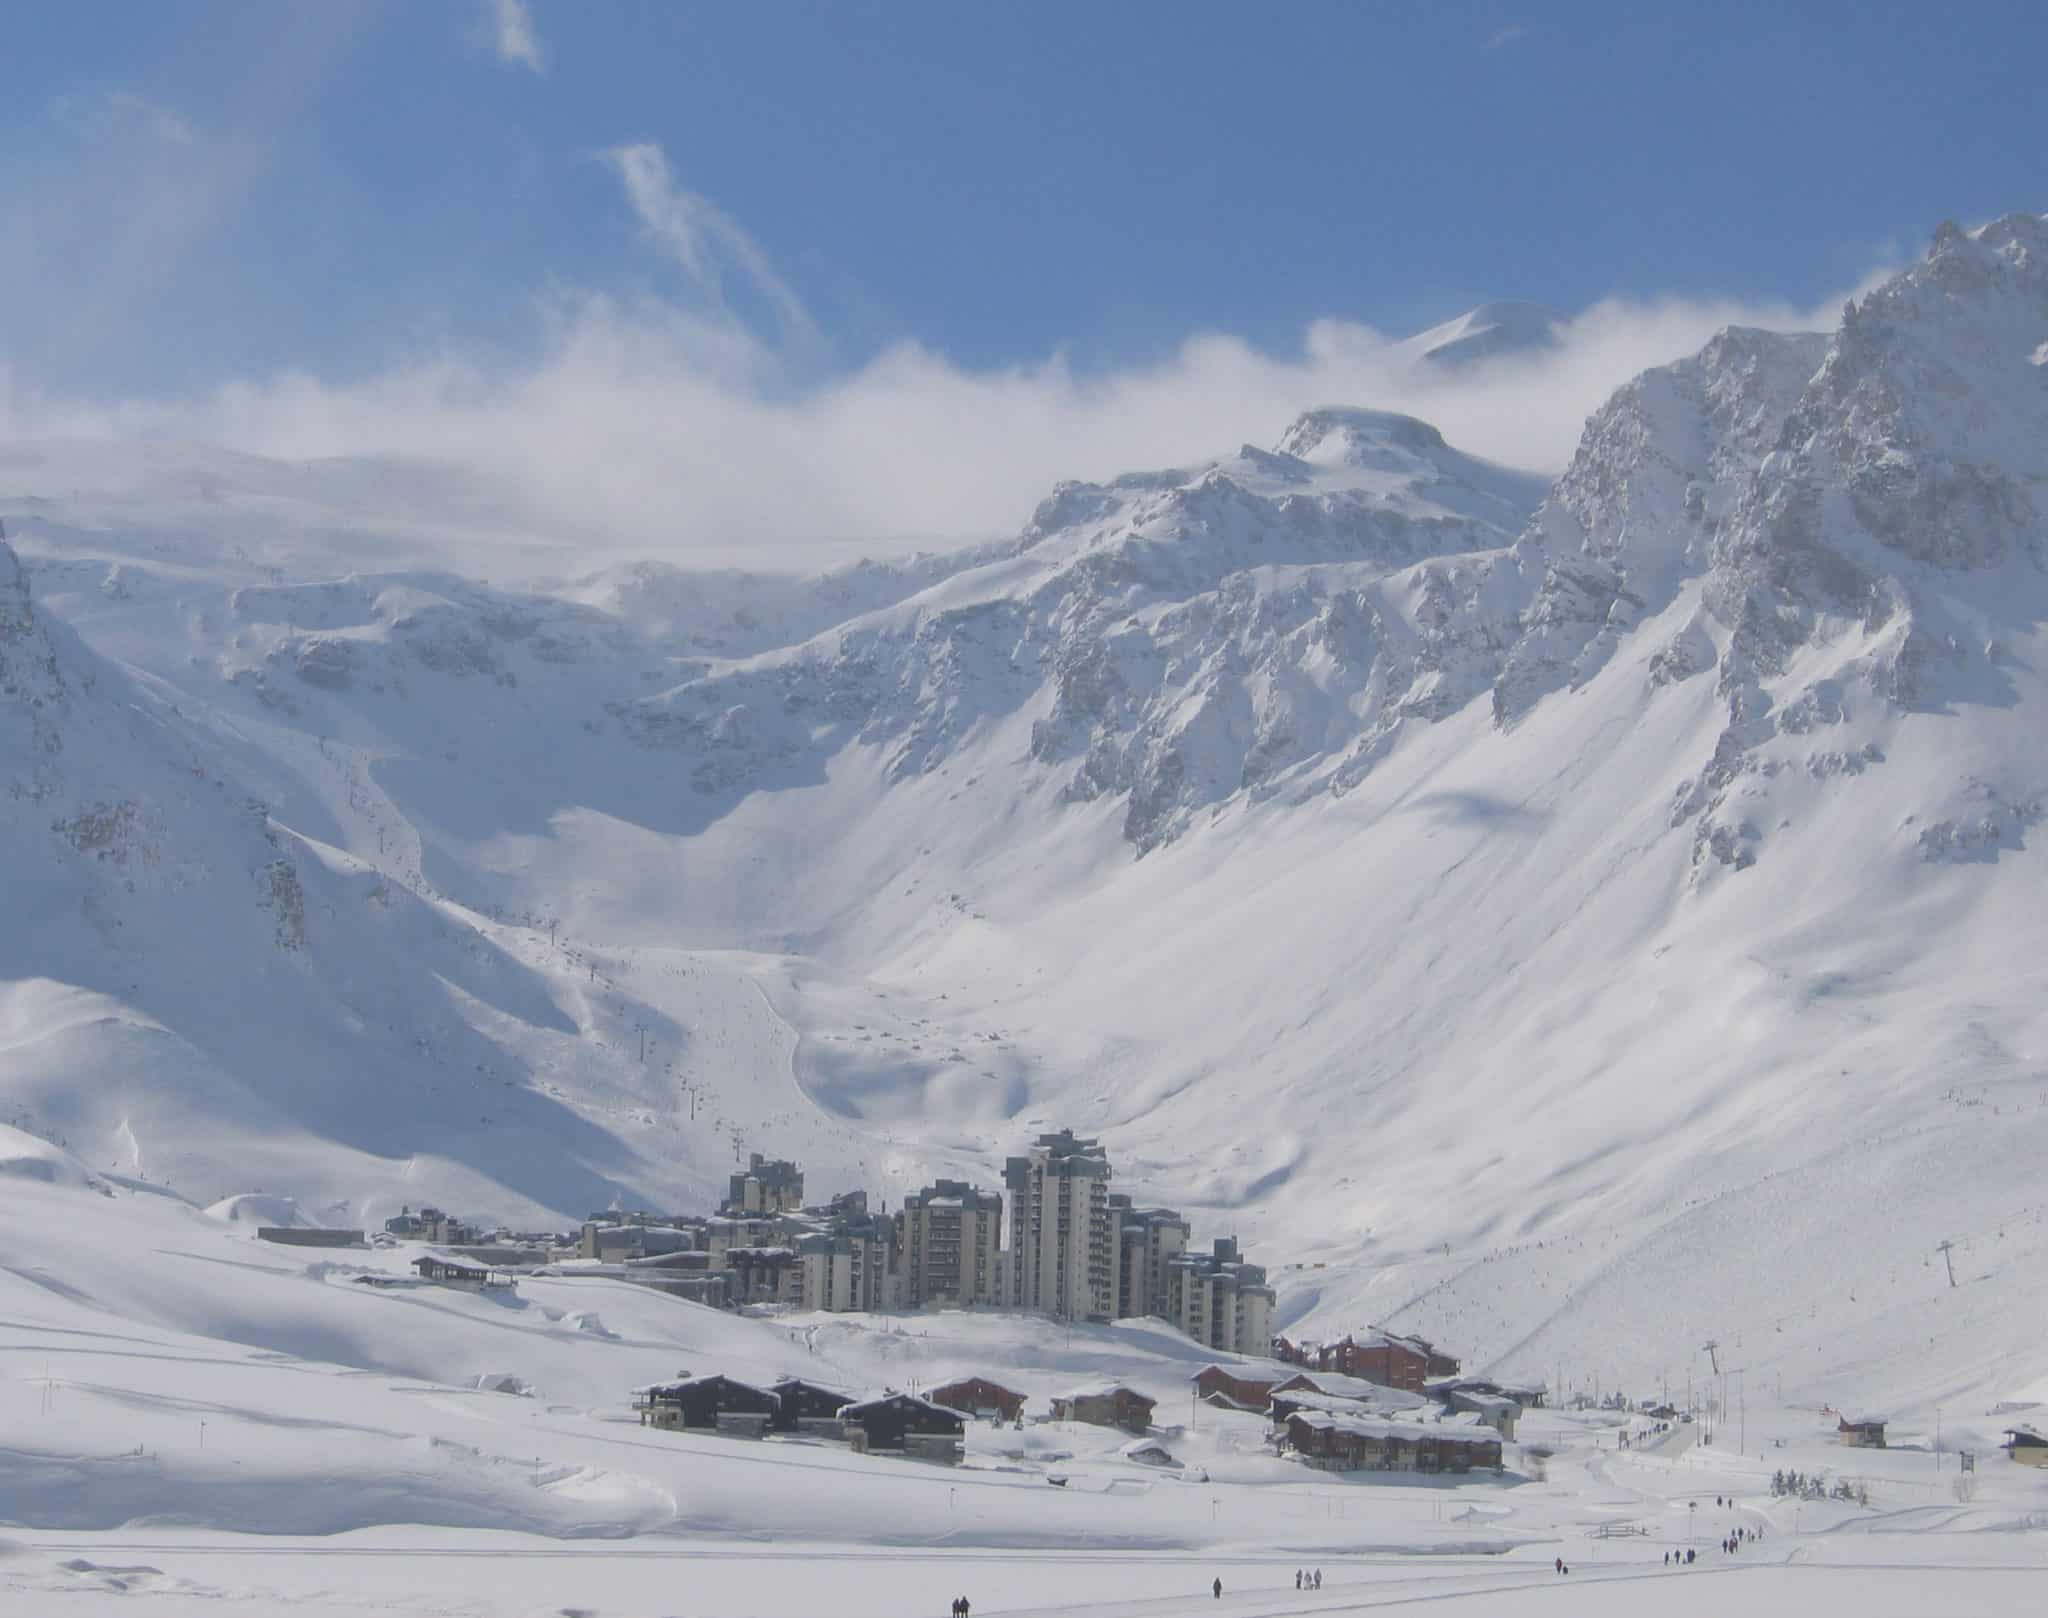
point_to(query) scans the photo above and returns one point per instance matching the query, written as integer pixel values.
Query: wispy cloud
(646, 429)
(518, 45)
(1501, 38)
(706, 243)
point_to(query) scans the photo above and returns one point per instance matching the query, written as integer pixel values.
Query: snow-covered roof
(1360, 1388)
(673, 1389)
(1103, 1390)
(1385, 1428)
(881, 1399)
(1492, 1404)
(1863, 1418)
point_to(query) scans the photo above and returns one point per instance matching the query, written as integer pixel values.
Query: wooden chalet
(1367, 1444)
(1862, 1431)
(977, 1396)
(808, 1407)
(903, 1421)
(2027, 1445)
(1377, 1356)
(1107, 1404)
(452, 1272)
(1243, 1392)
(708, 1402)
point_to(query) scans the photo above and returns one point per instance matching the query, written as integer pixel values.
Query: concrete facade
(1221, 1301)
(1148, 1239)
(1063, 1255)
(949, 1247)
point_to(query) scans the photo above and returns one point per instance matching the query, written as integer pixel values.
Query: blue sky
(204, 194)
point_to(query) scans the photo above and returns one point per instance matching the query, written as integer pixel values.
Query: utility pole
(1947, 1250)
(1709, 1348)
(1937, 1440)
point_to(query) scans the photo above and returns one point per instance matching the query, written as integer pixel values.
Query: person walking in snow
(1297, 1578)
(1319, 1578)
(1217, 1588)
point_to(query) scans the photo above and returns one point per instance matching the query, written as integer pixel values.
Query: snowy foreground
(194, 1421)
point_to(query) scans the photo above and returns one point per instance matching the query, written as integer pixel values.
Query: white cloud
(649, 430)
(518, 45)
(705, 242)
(1501, 38)
(678, 428)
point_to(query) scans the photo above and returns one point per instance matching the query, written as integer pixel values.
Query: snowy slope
(1580, 923)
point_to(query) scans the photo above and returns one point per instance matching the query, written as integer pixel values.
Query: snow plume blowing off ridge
(1579, 919)
(655, 429)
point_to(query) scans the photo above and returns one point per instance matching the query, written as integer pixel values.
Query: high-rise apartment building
(765, 1188)
(1147, 1240)
(1221, 1301)
(949, 1247)
(1063, 1254)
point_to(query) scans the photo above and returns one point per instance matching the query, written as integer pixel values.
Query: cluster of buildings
(928, 1426)
(1069, 1247)
(1326, 1420)
(1339, 1422)
(1383, 1357)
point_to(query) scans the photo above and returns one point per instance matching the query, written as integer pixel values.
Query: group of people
(1304, 1579)
(960, 1607)
(1683, 1558)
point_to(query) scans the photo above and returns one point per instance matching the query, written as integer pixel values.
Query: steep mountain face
(1177, 637)
(1482, 894)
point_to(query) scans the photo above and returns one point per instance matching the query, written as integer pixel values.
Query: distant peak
(1487, 332)
(1338, 434)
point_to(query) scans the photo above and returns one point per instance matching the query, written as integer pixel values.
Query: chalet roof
(883, 1401)
(1864, 1418)
(2025, 1430)
(675, 1390)
(792, 1384)
(1382, 1428)
(1105, 1390)
(1491, 1404)
(1262, 1378)
(1330, 1404)
(1362, 1389)
(988, 1382)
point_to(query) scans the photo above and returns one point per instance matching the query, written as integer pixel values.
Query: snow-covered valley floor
(195, 1421)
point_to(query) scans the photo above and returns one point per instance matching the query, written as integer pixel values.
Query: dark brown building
(1245, 1392)
(1106, 1405)
(1376, 1356)
(699, 1401)
(902, 1421)
(974, 1395)
(1352, 1444)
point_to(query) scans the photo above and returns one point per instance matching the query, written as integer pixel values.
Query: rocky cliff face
(1175, 638)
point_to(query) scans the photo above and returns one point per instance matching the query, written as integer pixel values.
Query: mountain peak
(1348, 435)
(1491, 331)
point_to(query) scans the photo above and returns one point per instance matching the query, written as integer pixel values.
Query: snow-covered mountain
(1574, 922)
(1491, 331)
